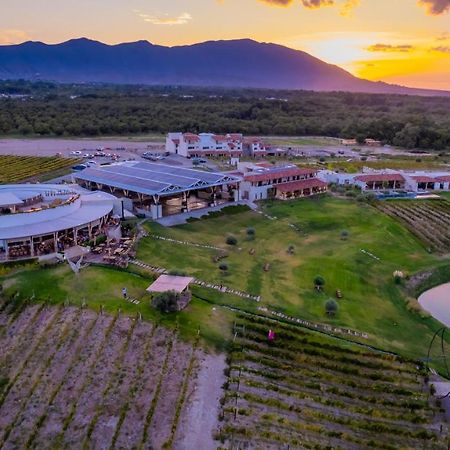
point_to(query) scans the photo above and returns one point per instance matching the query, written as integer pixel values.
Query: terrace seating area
(61, 219)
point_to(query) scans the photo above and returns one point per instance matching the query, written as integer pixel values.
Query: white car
(92, 163)
(76, 152)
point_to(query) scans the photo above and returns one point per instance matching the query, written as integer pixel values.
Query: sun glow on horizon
(383, 56)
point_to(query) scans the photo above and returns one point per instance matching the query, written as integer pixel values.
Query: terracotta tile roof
(283, 172)
(302, 184)
(191, 137)
(220, 138)
(423, 179)
(380, 177)
(253, 140)
(176, 141)
(443, 179)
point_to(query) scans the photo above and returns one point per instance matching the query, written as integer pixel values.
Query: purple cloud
(436, 7)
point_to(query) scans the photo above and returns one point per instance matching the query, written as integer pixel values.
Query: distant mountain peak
(224, 63)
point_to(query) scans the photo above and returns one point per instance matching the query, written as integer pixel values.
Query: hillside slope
(235, 63)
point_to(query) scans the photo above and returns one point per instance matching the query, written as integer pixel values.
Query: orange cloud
(8, 37)
(390, 48)
(311, 4)
(348, 7)
(436, 7)
(165, 19)
(277, 2)
(442, 49)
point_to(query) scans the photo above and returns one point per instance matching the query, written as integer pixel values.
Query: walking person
(125, 293)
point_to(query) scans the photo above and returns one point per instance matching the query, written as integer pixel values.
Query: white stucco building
(374, 180)
(233, 145)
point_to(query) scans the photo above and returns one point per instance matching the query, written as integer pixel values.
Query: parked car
(76, 152)
(79, 167)
(199, 161)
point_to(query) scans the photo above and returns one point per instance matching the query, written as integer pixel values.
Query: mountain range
(236, 63)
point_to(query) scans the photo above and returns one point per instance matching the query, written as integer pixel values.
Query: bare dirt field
(50, 147)
(74, 378)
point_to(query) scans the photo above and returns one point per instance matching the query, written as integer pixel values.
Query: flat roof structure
(52, 212)
(170, 283)
(9, 199)
(153, 179)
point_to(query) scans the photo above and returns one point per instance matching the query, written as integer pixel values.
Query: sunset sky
(398, 41)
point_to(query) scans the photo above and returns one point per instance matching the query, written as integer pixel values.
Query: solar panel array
(152, 179)
(207, 177)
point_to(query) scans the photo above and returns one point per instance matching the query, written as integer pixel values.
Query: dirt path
(199, 418)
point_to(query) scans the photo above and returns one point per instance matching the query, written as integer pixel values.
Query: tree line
(48, 109)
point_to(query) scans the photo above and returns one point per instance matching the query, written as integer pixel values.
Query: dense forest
(48, 109)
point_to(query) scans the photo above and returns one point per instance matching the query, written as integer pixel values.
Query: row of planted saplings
(412, 405)
(243, 412)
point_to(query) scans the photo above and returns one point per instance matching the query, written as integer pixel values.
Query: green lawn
(304, 141)
(372, 302)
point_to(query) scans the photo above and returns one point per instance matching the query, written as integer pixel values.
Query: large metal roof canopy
(153, 179)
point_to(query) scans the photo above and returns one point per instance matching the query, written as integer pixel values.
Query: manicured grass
(304, 141)
(371, 301)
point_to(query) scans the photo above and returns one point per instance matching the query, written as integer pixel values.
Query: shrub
(231, 240)
(223, 267)
(251, 232)
(177, 273)
(319, 282)
(331, 307)
(166, 301)
(344, 234)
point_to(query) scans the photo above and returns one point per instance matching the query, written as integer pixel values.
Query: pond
(437, 302)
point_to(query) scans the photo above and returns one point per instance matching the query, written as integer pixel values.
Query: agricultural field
(26, 168)
(77, 378)
(304, 141)
(307, 391)
(101, 288)
(429, 220)
(359, 264)
(383, 162)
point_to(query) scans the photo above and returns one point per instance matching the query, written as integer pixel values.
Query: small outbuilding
(170, 283)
